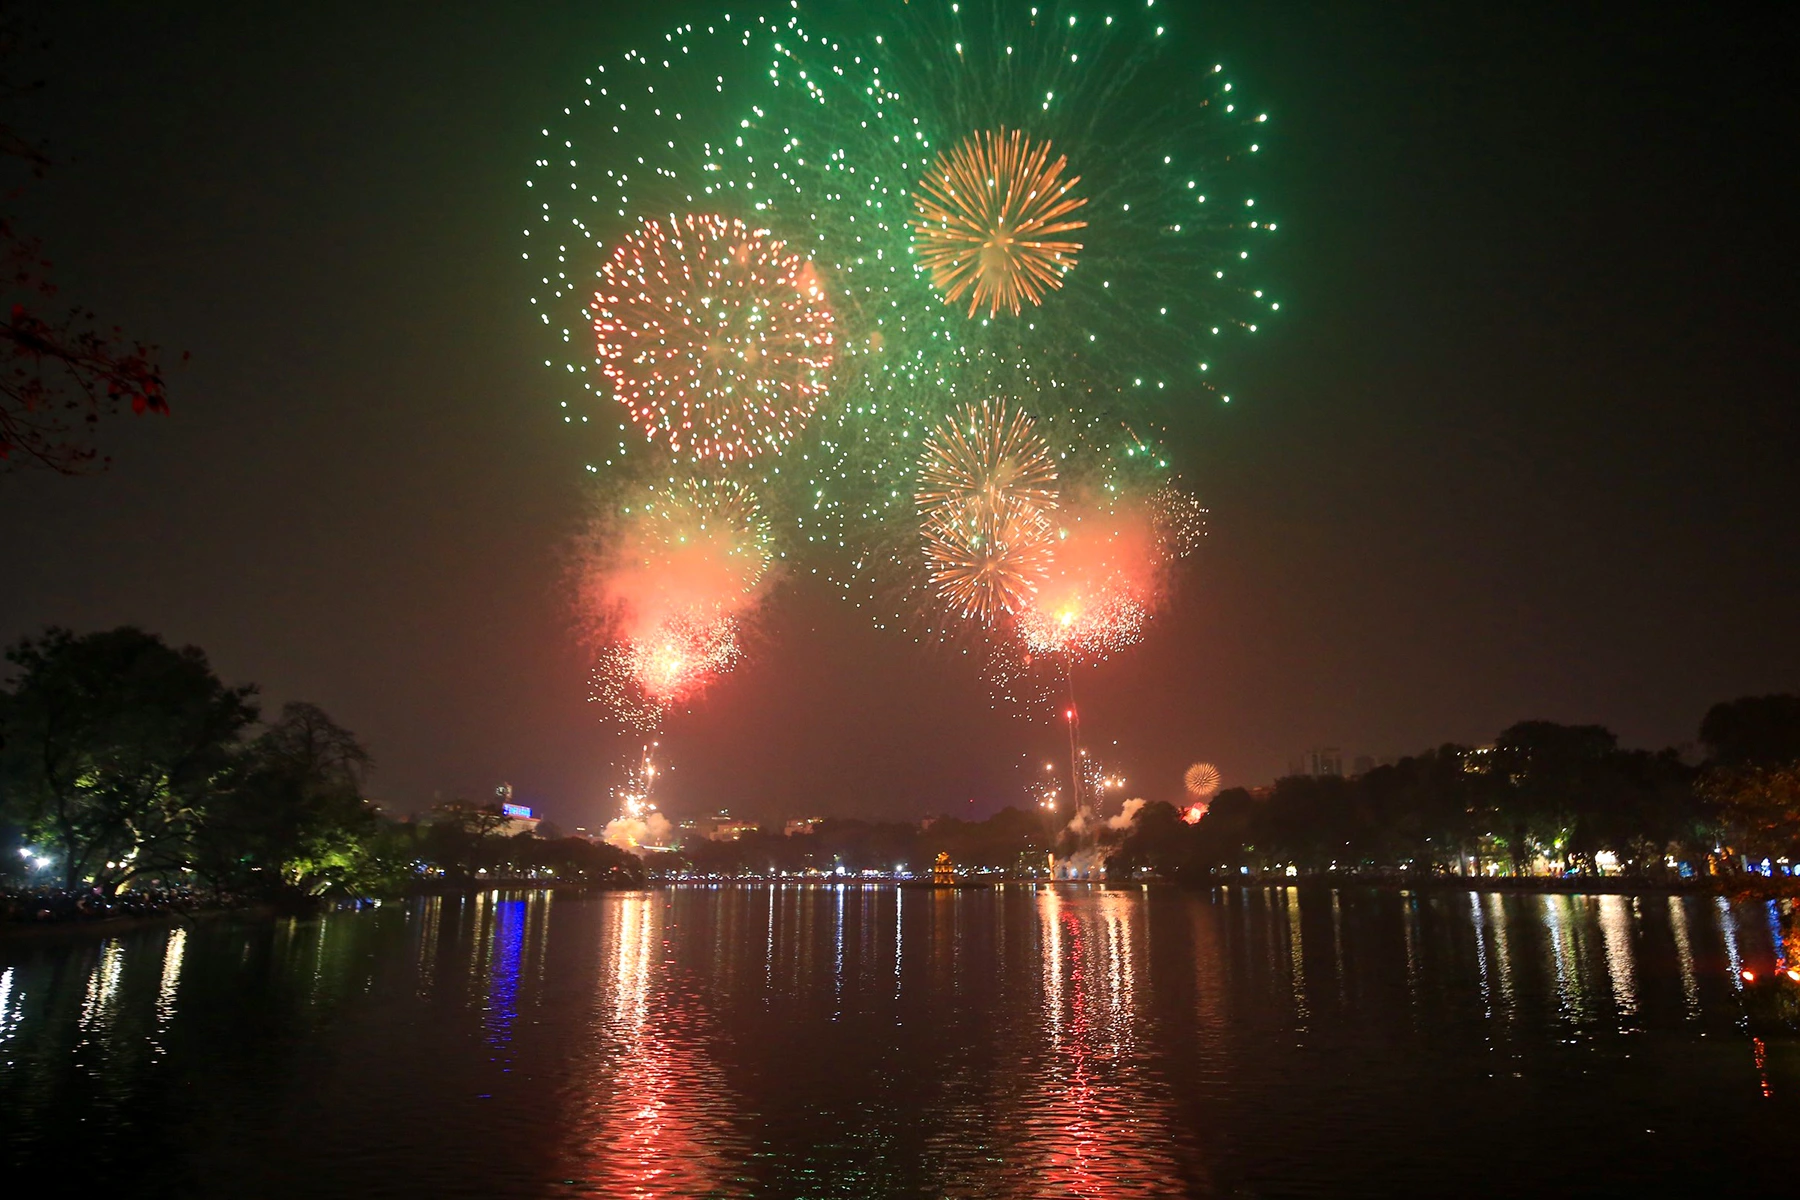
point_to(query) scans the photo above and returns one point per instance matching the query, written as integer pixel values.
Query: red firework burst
(715, 336)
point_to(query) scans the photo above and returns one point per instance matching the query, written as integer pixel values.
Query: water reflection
(865, 1041)
(656, 1115)
(1617, 931)
(1100, 1124)
(508, 949)
(1684, 955)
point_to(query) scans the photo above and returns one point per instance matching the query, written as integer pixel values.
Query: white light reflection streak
(1502, 951)
(7, 1021)
(1560, 951)
(1615, 933)
(1290, 899)
(173, 951)
(102, 984)
(837, 964)
(1487, 999)
(899, 935)
(1728, 927)
(769, 945)
(1684, 956)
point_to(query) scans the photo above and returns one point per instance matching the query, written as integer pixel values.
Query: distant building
(723, 827)
(798, 826)
(519, 818)
(1323, 760)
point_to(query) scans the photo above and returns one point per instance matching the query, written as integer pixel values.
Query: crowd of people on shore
(51, 905)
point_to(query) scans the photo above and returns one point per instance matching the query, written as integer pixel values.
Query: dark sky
(1523, 446)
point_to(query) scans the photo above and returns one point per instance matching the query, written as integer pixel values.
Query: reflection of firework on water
(989, 212)
(1180, 521)
(986, 482)
(714, 336)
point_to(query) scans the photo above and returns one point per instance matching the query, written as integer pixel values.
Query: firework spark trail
(716, 338)
(989, 211)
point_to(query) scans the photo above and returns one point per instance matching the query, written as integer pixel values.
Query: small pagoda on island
(943, 871)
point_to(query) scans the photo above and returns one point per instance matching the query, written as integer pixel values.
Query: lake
(822, 1040)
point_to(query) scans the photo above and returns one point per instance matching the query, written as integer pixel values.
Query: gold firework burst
(987, 455)
(989, 212)
(986, 484)
(985, 563)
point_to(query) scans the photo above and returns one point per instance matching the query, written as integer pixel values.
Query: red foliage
(60, 372)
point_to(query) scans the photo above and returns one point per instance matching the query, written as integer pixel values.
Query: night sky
(1522, 445)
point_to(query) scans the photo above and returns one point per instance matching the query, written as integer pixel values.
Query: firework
(835, 145)
(1201, 781)
(986, 483)
(639, 680)
(663, 582)
(987, 564)
(989, 211)
(1106, 579)
(614, 685)
(1180, 521)
(715, 337)
(986, 458)
(682, 655)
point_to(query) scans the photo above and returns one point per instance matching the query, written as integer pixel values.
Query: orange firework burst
(716, 337)
(987, 563)
(989, 213)
(986, 483)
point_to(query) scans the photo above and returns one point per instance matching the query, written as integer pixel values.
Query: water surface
(872, 1041)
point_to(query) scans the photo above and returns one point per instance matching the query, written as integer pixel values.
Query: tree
(1759, 807)
(294, 818)
(1753, 729)
(1551, 768)
(60, 370)
(113, 744)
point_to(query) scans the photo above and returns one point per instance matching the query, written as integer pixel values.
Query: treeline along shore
(134, 782)
(1545, 806)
